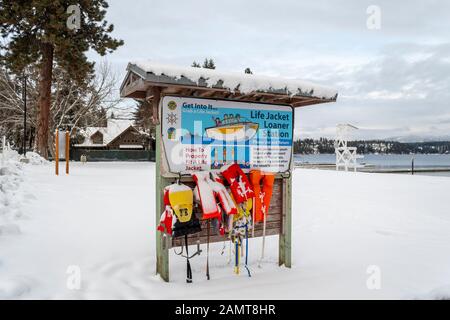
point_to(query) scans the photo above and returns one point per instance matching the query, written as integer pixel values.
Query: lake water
(386, 161)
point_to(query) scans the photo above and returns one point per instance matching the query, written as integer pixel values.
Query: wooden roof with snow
(114, 128)
(144, 77)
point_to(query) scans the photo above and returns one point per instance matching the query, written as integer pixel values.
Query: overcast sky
(392, 82)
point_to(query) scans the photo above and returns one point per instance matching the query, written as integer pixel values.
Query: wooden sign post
(67, 153)
(66, 146)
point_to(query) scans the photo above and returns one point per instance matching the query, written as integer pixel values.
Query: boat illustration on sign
(232, 128)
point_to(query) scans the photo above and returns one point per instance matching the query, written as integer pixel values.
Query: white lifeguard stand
(346, 156)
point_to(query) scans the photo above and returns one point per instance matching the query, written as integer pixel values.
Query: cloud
(393, 80)
(404, 90)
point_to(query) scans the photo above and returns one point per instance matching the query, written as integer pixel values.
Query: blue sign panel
(202, 134)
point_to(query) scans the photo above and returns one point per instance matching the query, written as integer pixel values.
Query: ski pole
(263, 240)
(230, 243)
(207, 252)
(188, 265)
(246, 250)
(242, 251)
(253, 217)
(236, 266)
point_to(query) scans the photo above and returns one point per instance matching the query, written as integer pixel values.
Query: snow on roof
(131, 146)
(241, 82)
(114, 128)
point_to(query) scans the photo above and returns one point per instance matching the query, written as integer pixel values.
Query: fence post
(56, 152)
(67, 151)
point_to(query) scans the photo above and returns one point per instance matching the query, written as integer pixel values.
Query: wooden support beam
(283, 100)
(307, 102)
(285, 240)
(260, 98)
(162, 242)
(184, 92)
(196, 93)
(207, 94)
(137, 95)
(188, 92)
(154, 94)
(227, 95)
(244, 96)
(132, 87)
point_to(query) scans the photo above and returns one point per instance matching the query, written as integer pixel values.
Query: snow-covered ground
(99, 220)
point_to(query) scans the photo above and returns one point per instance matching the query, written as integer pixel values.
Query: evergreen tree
(248, 71)
(37, 31)
(195, 64)
(209, 64)
(142, 116)
(142, 120)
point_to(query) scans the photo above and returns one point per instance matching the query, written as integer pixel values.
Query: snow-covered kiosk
(192, 106)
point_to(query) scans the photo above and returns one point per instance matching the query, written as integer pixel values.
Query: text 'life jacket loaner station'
(224, 157)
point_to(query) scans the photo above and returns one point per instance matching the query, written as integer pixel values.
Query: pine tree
(142, 120)
(212, 65)
(195, 64)
(248, 71)
(37, 32)
(142, 116)
(209, 64)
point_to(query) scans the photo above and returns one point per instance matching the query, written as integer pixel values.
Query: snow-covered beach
(100, 219)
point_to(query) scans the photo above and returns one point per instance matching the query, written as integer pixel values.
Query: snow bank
(13, 195)
(11, 178)
(12, 158)
(244, 83)
(36, 159)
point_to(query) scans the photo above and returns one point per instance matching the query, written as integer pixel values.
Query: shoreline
(373, 168)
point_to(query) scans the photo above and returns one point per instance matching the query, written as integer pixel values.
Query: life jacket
(180, 199)
(166, 221)
(222, 194)
(205, 195)
(241, 223)
(263, 194)
(243, 217)
(239, 184)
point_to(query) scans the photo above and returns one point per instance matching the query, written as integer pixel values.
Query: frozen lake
(385, 161)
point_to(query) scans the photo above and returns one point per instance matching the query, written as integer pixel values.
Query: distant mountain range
(415, 138)
(391, 146)
(403, 139)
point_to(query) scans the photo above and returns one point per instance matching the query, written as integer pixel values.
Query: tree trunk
(44, 98)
